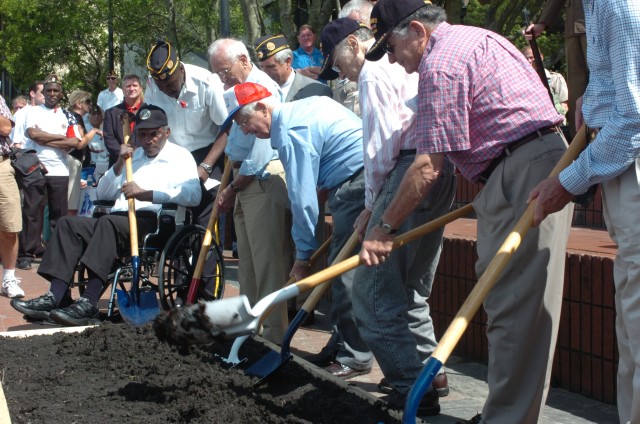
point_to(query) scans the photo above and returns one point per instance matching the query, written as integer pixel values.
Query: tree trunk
(286, 21)
(252, 21)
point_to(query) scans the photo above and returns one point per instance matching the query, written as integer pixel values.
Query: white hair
(360, 7)
(231, 48)
(283, 55)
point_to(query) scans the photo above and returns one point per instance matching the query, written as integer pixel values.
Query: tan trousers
(621, 201)
(523, 308)
(263, 229)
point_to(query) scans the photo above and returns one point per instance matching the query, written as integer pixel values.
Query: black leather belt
(236, 165)
(407, 152)
(512, 147)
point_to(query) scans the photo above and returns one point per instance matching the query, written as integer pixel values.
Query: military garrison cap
(269, 45)
(162, 60)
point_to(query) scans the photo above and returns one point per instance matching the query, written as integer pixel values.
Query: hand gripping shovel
(234, 316)
(481, 289)
(136, 307)
(237, 343)
(206, 241)
(272, 361)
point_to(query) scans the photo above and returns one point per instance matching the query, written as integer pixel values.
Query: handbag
(29, 169)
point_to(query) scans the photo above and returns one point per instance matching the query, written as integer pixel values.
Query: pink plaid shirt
(477, 94)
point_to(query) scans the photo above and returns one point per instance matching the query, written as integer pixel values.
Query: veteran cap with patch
(269, 45)
(151, 116)
(52, 79)
(332, 34)
(240, 95)
(162, 60)
(385, 16)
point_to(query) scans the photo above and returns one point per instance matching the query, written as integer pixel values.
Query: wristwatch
(207, 168)
(234, 187)
(386, 228)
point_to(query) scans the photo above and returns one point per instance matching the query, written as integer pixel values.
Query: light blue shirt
(612, 99)
(302, 59)
(242, 147)
(320, 145)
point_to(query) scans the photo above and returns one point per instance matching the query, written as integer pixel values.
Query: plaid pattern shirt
(477, 94)
(612, 98)
(5, 143)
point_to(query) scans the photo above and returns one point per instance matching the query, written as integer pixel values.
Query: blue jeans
(346, 202)
(390, 300)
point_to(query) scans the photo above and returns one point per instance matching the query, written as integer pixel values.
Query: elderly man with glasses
(497, 125)
(258, 194)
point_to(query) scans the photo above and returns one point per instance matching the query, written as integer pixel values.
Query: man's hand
(550, 197)
(300, 270)
(361, 223)
(533, 30)
(225, 200)
(133, 191)
(376, 247)
(126, 151)
(202, 174)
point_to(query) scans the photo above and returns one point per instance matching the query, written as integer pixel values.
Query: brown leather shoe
(441, 384)
(344, 371)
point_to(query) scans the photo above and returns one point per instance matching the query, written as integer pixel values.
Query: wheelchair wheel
(177, 263)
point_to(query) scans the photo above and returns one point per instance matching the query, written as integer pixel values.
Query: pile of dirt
(117, 373)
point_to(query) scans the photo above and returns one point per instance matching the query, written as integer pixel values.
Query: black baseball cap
(151, 116)
(385, 16)
(269, 45)
(332, 34)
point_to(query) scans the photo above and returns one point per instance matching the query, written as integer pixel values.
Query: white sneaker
(11, 288)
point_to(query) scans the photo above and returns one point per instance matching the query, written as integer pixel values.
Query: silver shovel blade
(203, 322)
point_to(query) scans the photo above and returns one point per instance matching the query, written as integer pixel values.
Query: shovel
(272, 361)
(481, 289)
(136, 307)
(206, 242)
(237, 343)
(234, 316)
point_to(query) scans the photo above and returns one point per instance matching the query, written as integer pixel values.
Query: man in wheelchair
(162, 173)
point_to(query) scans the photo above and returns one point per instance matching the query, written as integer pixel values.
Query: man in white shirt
(112, 95)
(18, 133)
(162, 173)
(52, 132)
(192, 98)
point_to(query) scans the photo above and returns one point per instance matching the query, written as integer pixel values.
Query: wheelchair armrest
(170, 206)
(104, 203)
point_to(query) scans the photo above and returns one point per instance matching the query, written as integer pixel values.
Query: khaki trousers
(621, 201)
(263, 229)
(523, 308)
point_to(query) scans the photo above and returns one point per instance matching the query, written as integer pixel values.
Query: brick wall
(586, 353)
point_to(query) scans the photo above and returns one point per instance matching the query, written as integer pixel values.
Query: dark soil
(120, 374)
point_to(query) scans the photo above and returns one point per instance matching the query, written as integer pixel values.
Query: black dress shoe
(385, 387)
(23, 263)
(475, 420)
(81, 312)
(344, 371)
(441, 384)
(324, 358)
(38, 308)
(429, 404)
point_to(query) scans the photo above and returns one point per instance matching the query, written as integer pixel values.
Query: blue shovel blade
(138, 314)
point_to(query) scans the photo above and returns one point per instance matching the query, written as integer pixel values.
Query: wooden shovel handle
(133, 223)
(355, 261)
(489, 278)
(319, 291)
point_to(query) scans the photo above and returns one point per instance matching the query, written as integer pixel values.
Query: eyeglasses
(223, 72)
(244, 123)
(387, 47)
(112, 78)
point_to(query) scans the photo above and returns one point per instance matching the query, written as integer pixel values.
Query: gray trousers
(523, 308)
(346, 202)
(390, 300)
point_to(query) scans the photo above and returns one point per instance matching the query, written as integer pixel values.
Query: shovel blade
(269, 364)
(146, 309)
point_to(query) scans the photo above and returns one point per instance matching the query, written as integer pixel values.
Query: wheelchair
(168, 259)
